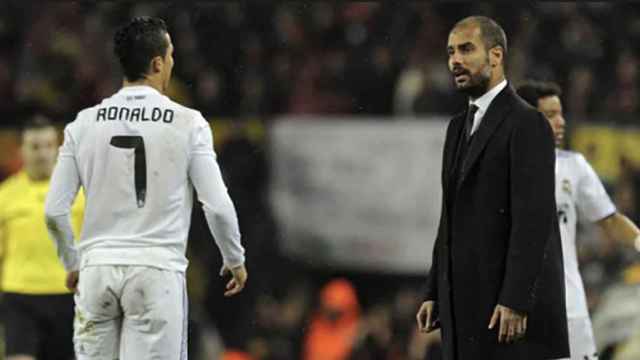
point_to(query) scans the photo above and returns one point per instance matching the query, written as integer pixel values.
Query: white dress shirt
(483, 103)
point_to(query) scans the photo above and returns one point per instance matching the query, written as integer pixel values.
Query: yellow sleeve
(77, 214)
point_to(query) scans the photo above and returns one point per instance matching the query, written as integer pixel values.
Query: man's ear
(496, 55)
(157, 63)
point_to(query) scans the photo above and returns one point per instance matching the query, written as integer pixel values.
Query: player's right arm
(621, 229)
(65, 183)
(595, 205)
(218, 207)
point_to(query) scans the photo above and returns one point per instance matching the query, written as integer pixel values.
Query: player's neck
(151, 82)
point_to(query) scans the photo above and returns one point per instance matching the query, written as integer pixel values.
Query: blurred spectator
(236, 355)
(410, 85)
(375, 337)
(37, 307)
(334, 325)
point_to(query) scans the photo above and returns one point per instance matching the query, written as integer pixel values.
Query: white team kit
(138, 155)
(580, 196)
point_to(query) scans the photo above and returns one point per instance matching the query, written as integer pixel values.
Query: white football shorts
(130, 313)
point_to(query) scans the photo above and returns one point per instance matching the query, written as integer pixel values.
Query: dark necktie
(468, 125)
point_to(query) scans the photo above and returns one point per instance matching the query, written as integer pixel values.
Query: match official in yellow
(37, 308)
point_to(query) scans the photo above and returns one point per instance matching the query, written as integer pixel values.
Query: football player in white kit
(580, 196)
(138, 155)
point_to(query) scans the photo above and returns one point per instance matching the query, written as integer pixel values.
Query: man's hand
(513, 325)
(236, 284)
(72, 280)
(426, 317)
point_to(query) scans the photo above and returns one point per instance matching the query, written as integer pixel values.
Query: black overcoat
(498, 240)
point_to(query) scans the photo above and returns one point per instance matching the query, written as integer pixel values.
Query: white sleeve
(219, 210)
(592, 200)
(65, 183)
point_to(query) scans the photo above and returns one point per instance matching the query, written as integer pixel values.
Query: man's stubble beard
(478, 83)
(478, 86)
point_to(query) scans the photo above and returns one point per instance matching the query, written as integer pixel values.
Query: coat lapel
(457, 123)
(495, 114)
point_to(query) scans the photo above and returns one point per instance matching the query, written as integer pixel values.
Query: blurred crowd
(258, 60)
(263, 59)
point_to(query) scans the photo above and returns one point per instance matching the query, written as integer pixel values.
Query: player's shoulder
(189, 113)
(573, 156)
(570, 157)
(574, 159)
(183, 113)
(86, 115)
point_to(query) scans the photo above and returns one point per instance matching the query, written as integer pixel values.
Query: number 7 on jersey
(140, 163)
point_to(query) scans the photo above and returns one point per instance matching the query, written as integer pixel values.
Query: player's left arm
(65, 183)
(219, 210)
(595, 205)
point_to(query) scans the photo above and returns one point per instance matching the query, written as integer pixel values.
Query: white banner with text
(357, 194)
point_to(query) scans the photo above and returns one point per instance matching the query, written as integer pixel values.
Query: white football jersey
(580, 196)
(138, 155)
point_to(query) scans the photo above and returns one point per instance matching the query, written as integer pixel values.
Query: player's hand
(236, 284)
(426, 316)
(513, 325)
(72, 280)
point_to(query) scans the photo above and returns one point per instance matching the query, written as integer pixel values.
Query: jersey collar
(139, 89)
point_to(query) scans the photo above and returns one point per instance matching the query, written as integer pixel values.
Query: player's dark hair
(491, 32)
(36, 122)
(137, 43)
(532, 91)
